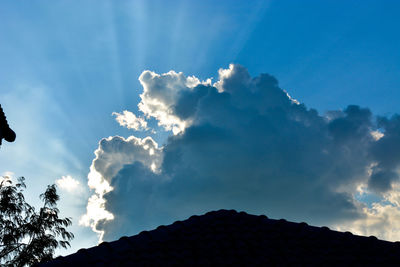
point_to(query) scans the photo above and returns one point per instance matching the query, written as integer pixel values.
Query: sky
(147, 112)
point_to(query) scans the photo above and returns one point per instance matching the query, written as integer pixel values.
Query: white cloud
(7, 175)
(295, 101)
(393, 196)
(243, 143)
(68, 184)
(161, 94)
(129, 120)
(377, 135)
(111, 156)
(381, 220)
(96, 212)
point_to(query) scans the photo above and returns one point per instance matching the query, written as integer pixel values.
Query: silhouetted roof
(226, 237)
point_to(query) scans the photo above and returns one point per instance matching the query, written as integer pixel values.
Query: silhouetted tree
(26, 236)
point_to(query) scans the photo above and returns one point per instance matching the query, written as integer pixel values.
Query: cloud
(7, 175)
(130, 121)
(381, 220)
(241, 143)
(161, 94)
(111, 156)
(68, 184)
(386, 154)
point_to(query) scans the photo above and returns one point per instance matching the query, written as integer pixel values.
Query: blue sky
(66, 66)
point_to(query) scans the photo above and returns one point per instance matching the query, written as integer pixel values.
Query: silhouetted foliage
(5, 131)
(26, 236)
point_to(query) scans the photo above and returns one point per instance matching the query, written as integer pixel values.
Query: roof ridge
(230, 233)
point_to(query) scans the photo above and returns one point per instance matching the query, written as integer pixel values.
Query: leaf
(26, 236)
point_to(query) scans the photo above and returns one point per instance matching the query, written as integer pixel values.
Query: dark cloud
(386, 155)
(246, 145)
